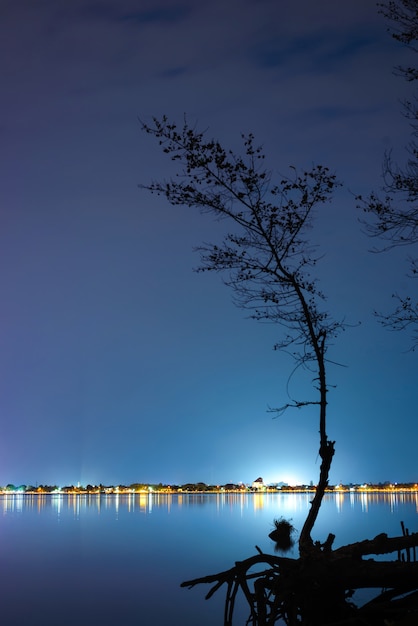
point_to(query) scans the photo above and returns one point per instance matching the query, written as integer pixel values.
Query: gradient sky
(118, 363)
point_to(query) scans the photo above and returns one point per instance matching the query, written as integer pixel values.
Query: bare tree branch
(392, 220)
(267, 260)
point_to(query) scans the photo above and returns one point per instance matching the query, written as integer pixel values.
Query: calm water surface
(119, 560)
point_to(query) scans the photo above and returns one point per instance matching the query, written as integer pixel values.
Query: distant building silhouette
(258, 484)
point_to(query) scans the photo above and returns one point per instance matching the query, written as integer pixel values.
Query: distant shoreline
(150, 491)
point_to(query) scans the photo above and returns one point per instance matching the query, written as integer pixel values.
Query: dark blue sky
(117, 362)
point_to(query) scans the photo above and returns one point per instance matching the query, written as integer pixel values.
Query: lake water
(119, 560)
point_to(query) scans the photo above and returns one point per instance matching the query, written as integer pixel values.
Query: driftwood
(317, 589)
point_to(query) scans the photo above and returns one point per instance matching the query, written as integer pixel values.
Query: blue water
(119, 560)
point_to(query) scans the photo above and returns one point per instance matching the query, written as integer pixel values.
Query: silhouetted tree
(267, 259)
(393, 219)
(403, 15)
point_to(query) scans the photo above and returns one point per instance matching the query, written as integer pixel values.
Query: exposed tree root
(317, 590)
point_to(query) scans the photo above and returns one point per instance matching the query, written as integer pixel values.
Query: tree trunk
(306, 544)
(326, 452)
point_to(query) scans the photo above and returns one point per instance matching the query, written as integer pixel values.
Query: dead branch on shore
(317, 590)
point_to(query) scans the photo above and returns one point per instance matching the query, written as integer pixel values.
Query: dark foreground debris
(317, 589)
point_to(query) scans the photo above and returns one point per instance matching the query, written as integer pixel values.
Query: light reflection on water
(119, 559)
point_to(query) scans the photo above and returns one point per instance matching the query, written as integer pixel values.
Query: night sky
(120, 364)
